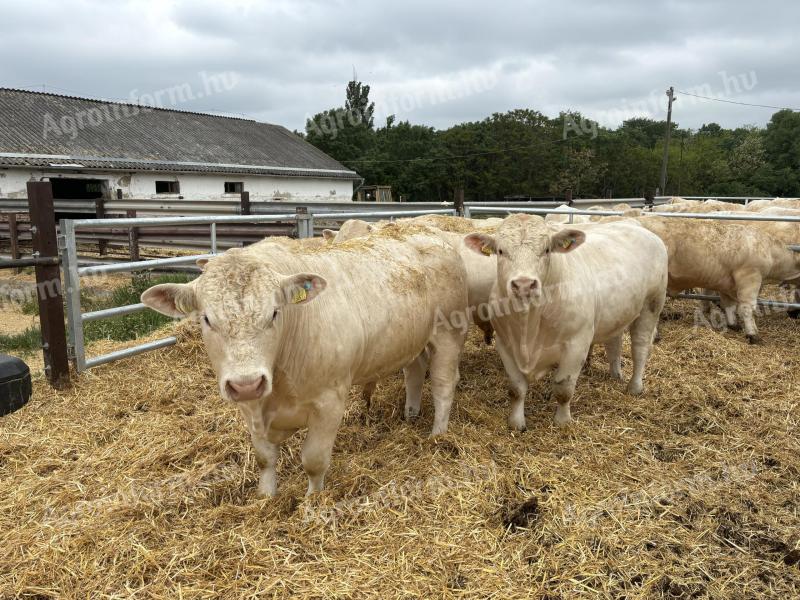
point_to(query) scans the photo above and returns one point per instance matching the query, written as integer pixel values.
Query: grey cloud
(294, 58)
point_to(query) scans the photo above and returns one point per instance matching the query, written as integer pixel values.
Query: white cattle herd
(291, 325)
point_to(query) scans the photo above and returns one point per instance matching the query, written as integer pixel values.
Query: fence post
(458, 202)
(48, 283)
(568, 197)
(133, 237)
(100, 212)
(305, 223)
(13, 233)
(244, 204)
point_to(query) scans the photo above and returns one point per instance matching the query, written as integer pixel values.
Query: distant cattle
(290, 327)
(560, 289)
(759, 205)
(732, 259)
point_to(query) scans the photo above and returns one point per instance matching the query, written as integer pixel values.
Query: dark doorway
(78, 189)
(66, 188)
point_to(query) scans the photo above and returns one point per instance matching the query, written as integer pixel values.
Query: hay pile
(140, 481)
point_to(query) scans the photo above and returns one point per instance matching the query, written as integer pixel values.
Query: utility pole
(671, 96)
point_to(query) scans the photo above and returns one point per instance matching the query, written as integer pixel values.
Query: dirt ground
(139, 481)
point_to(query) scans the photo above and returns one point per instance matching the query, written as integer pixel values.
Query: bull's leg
(366, 394)
(588, 363)
(266, 447)
(747, 287)
(323, 424)
(415, 378)
(565, 379)
(643, 331)
(266, 442)
(728, 304)
(444, 377)
(519, 387)
(793, 312)
(487, 329)
(614, 356)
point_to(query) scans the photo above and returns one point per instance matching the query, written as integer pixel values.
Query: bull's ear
(481, 243)
(301, 288)
(171, 299)
(567, 240)
(328, 235)
(202, 262)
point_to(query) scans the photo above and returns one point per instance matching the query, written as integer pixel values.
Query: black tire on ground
(15, 384)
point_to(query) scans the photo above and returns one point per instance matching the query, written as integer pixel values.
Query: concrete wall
(192, 186)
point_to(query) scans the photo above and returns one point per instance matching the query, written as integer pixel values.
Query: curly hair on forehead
(236, 282)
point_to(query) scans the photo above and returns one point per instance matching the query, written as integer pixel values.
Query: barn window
(234, 187)
(168, 187)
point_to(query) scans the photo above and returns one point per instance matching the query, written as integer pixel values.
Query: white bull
(290, 328)
(561, 289)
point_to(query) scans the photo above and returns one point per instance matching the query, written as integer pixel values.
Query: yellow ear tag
(567, 243)
(299, 296)
(486, 250)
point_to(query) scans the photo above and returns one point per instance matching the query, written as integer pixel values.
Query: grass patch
(129, 327)
(122, 328)
(29, 340)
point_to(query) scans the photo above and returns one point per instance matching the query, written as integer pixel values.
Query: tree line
(524, 153)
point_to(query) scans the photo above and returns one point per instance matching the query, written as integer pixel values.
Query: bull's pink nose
(524, 287)
(246, 388)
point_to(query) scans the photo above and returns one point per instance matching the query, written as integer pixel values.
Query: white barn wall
(193, 186)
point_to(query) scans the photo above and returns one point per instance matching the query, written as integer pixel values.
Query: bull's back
(378, 310)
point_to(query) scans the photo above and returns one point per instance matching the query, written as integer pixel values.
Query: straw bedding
(140, 482)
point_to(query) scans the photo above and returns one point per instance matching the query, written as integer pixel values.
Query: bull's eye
(500, 252)
(274, 315)
(547, 250)
(206, 321)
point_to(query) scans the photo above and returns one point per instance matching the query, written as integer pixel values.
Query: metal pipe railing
(126, 352)
(139, 265)
(760, 302)
(116, 311)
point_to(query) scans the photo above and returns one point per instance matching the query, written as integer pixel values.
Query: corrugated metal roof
(42, 130)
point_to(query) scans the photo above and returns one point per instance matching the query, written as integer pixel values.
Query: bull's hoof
(754, 339)
(411, 413)
(735, 327)
(517, 424)
(657, 337)
(635, 388)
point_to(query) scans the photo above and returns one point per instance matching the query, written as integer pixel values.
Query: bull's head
(524, 247)
(240, 302)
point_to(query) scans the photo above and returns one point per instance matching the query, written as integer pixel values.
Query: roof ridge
(148, 106)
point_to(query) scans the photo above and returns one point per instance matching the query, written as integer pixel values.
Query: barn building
(93, 149)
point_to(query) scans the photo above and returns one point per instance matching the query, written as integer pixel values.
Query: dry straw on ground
(139, 482)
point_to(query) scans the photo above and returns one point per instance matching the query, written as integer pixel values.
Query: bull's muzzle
(525, 288)
(253, 387)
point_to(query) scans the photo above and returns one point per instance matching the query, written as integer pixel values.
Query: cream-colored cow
(732, 259)
(562, 288)
(759, 205)
(290, 329)
(481, 270)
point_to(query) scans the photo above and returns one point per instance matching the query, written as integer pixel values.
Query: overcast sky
(431, 62)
